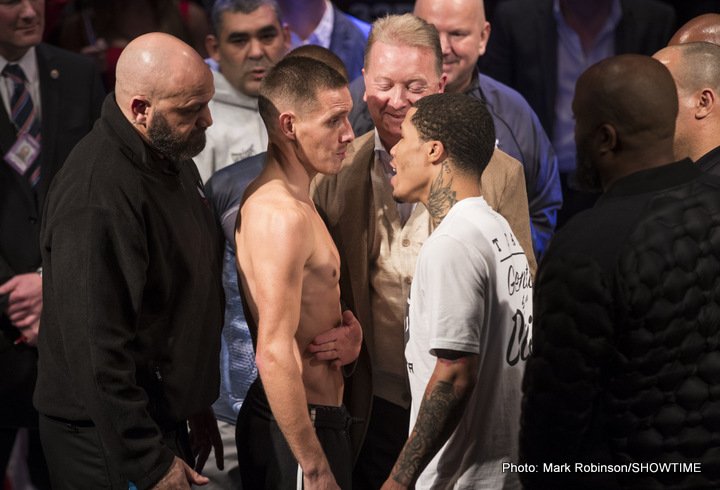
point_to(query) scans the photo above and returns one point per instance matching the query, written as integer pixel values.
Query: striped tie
(24, 118)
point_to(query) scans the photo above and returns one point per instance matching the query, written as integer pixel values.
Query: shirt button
(408, 280)
(406, 243)
(32, 220)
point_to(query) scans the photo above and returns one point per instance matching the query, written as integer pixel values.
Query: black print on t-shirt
(520, 344)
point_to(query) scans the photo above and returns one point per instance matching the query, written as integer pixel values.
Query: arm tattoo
(442, 197)
(429, 434)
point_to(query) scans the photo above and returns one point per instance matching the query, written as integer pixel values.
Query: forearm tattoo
(442, 197)
(429, 434)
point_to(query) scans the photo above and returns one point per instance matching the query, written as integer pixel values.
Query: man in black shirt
(133, 299)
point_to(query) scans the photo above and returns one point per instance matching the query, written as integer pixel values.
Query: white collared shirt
(322, 34)
(572, 61)
(29, 65)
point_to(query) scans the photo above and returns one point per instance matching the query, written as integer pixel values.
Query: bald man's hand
(179, 477)
(204, 437)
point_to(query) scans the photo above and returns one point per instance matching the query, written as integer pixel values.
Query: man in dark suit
(540, 49)
(320, 22)
(50, 100)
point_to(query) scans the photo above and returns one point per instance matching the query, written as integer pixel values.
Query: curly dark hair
(462, 124)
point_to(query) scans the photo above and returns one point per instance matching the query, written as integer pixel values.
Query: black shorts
(265, 459)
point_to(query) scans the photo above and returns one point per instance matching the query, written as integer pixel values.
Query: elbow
(266, 360)
(464, 386)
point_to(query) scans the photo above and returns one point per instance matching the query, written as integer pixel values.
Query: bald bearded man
(133, 298)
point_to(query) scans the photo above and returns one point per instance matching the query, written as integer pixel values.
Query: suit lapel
(49, 73)
(356, 227)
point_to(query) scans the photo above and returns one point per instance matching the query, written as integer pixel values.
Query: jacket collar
(133, 146)
(654, 179)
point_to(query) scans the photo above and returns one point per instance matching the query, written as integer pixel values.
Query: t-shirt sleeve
(455, 287)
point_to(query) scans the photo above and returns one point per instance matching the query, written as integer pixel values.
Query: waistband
(326, 417)
(322, 416)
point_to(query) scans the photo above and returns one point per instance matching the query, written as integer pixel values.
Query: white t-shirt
(472, 292)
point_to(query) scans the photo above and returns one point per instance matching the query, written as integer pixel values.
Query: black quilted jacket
(626, 363)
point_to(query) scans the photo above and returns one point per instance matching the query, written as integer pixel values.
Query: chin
(399, 197)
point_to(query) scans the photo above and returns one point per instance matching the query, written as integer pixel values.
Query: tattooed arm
(443, 404)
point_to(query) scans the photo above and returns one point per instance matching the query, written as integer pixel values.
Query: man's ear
(140, 107)
(287, 37)
(435, 152)
(705, 103)
(606, 138)
(286, 122)
(365, 83)
(484, 38)
(213, 47)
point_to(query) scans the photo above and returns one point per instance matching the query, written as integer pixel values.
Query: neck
(706, 138)
(388, 141)
(291, 170)
(448, 188)
(303, 17)
(461, 85)
(13, 55)
(633, 161)
(586, 18)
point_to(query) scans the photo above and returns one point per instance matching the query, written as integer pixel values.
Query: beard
(587, 177)
(171, 144)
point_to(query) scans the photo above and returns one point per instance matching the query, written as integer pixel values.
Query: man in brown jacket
(379, 239)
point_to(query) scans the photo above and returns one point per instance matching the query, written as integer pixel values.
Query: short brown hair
(405, 30)
(295, 80)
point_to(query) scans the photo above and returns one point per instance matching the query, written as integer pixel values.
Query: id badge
(23, 153)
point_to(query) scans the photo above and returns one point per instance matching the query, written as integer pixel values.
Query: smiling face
(396, 76)
(323, 131)
(411, 182)
(464, 33)
(248, 46)
(21, 26)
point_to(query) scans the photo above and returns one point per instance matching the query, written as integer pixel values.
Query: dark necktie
(24, 117)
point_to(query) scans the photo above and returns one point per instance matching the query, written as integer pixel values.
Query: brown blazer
(346, 203)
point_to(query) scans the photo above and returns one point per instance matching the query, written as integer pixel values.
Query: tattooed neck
(441, 197)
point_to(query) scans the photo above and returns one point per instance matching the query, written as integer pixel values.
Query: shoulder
(509, 12)
(504, 100)
(226, 186)
(349, 25)
(272, 217)
(501, 169)
(54, 56)
(647, 9)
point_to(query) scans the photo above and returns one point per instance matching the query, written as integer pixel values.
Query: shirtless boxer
(289, 271)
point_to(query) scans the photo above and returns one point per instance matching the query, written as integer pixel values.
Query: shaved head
(157, 65)
(703, 28)
(692, 65)
(163, 88)
(634, 93)
(696, 70)
(625, 109)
